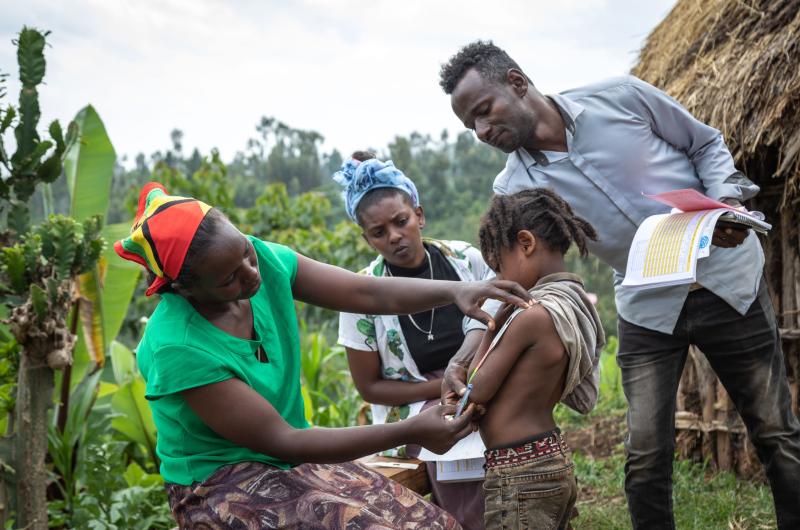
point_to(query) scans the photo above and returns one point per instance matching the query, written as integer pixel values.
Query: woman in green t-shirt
(220, 356)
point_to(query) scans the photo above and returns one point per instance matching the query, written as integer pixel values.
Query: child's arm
(503, 313)
(484, 345)
(523, 333)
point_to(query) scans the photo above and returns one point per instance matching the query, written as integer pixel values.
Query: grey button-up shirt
(624, 138)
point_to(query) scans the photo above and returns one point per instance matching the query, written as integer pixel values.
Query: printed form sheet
(468, 447)
(666, 248)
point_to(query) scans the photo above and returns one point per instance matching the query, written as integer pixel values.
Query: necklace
(429, 332)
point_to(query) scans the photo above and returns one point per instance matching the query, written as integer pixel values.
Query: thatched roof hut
(735, 64)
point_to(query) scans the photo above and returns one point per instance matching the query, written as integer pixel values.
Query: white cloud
(358, 72)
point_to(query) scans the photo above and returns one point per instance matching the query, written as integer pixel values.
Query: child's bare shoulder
(534, 323)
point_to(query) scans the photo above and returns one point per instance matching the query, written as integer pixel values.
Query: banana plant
(89, 165)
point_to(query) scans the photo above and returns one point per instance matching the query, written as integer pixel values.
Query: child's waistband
(538, 446)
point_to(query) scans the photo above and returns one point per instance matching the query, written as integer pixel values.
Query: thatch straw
(735, 64)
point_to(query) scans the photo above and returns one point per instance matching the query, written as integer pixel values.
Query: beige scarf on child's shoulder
(581, 332)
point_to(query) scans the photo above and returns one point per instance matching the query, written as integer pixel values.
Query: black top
(447, 330)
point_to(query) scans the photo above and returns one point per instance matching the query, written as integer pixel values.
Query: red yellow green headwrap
(161, 233)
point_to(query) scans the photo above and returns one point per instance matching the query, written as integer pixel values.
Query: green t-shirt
(181, 350)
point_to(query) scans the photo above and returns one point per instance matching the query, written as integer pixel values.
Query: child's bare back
(521, 379)
(530, 478)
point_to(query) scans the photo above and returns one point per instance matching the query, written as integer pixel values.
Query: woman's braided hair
(539, 210)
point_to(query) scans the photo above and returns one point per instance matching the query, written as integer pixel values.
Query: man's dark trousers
(745, 352)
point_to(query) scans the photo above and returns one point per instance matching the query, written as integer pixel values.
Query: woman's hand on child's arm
(436, 430)
(502, 315)
(470, 296)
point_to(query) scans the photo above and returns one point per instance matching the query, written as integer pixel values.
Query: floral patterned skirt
(252, 496)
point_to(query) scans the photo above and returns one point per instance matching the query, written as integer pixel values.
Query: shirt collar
(569, 110)
(559, 277)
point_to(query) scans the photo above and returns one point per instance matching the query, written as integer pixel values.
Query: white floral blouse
(383, 334)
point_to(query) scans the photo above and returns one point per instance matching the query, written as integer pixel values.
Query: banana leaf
(90, 306)
(123, 363)
(89, 164)
(118, 285)
(134, 419)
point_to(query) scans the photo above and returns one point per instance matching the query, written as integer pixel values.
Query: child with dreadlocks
(536, 357)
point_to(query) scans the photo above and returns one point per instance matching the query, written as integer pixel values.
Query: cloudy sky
(359, 72)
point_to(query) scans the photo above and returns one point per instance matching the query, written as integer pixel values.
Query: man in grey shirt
(600, 147)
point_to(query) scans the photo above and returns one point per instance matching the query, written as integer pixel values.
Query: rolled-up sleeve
(703, 144)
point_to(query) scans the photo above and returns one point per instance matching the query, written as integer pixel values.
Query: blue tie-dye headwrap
(359, 178)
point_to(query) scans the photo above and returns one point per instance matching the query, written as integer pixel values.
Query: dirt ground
(599, 439)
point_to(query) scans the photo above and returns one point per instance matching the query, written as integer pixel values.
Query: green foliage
(66, 446)
(9, 363)
(60, 240)
(107, 307)
(611, 397)
(703, 500)
(105, 459)
(26, 167)
(58, 249)
(331, 397)
(88, 165)
(38, 300)
(12, 264)
(41, 264)
(280, 154)
(115, 495)
(132, 419)
(30, 56)
(19, 218)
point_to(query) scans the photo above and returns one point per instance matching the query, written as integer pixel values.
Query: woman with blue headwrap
(397, 361)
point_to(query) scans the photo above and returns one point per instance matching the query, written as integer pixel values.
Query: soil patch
(600, 439)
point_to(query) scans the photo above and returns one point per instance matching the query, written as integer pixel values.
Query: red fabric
(162, 233)
(172, 231)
